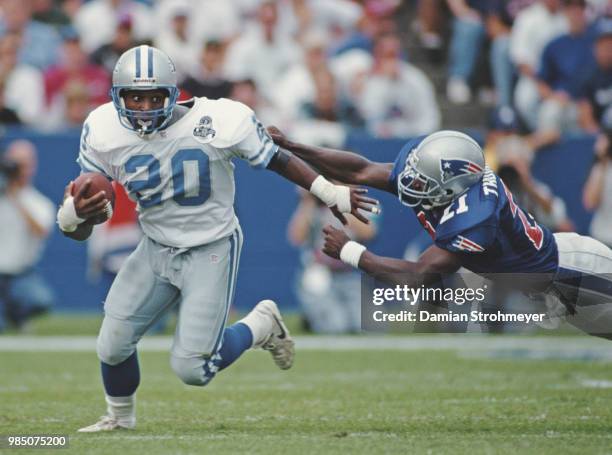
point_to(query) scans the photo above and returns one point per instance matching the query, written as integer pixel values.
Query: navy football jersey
(486, 227)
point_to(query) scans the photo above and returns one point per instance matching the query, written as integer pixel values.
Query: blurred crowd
(319, 65)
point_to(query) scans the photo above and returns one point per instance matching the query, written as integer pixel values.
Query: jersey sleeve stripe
(264, 156)
(266, 143)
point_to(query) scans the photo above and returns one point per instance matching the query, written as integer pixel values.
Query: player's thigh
(587, 266)
(209, 280)
(137, 298)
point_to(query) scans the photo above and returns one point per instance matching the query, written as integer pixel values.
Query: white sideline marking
(573, 345)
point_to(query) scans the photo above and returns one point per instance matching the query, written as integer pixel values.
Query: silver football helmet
(441, 168)
(144, 68)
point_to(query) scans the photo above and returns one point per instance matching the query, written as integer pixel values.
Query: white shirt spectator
(20, 248)
(251, 56)
(208, 19)
(405, 106)
(97, 21)
(24, 92)
(177, 43)
(533, 29)
(349, 65)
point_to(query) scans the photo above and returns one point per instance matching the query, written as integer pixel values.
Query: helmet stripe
(137, 64)
(145, 60)
(150, 65)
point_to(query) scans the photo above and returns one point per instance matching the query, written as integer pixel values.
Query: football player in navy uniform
(474, 223)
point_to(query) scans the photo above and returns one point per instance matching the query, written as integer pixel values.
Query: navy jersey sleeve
(400, 162)
(474, 240)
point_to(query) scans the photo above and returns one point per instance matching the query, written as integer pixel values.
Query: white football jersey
(182, 178)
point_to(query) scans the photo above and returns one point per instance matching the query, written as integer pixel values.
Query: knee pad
(115, 342)
(112, 353)
(193, 370)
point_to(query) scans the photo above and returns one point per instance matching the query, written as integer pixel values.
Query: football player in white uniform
(175, 161)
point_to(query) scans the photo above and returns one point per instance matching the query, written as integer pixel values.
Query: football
(99, 182)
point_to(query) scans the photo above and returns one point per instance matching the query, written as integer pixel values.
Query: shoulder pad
(232, 121)
(103, 127)
(482, 203)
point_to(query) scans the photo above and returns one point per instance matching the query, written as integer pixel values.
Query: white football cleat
(108, 423)
(277, 341)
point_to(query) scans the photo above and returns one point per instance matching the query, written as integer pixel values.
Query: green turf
(331, 402)
(89, 323)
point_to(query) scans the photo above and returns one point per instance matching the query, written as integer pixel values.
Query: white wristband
(351, 253)
(67, 218)
(331, 194)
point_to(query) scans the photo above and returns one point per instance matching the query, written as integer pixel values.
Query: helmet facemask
(416, 188)
(145, 122)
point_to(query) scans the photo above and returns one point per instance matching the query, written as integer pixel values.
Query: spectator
(326, 119)
(296, 87)
(107, 55)
(209, 80)
(500, 18)
(510, 154)
(39, 42)
(465, 46)
(23, 292)
(533, 29)
(245, 91)
(597, 195)
(7, 115)
(208, 19)
(49, 12)
(73, 68)
(262, 54)
(596, 90)
(96, 21)
(534, 196)
(397, 99)
(328, 290)
(429, 24)
(373, 23)
(22, 85)
(327, 106)
(174, 41)
(77, 105)
(563, 61)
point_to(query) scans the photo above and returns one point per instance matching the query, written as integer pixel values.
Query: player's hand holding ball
(94, 197)
(88, 199)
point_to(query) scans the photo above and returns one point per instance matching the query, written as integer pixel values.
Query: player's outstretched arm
(346, 167)
(75, 216)
(433, 262)
(340, 199)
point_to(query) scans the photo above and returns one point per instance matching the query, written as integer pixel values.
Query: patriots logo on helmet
(455, 167)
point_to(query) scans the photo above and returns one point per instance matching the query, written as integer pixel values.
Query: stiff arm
(346, 167)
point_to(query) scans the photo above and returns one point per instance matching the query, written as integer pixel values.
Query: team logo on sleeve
(204, 131)
(455, 167)
(464, 244)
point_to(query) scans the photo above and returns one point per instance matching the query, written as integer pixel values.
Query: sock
(121, 380)
(260, 325)
(236, 339)
(123, 408)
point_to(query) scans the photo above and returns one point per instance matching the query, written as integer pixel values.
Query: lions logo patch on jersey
(454, 167)
(204, 131)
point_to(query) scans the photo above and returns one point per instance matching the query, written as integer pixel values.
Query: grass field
(332, 401)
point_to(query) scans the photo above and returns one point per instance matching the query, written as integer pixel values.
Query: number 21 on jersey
(190, 177)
